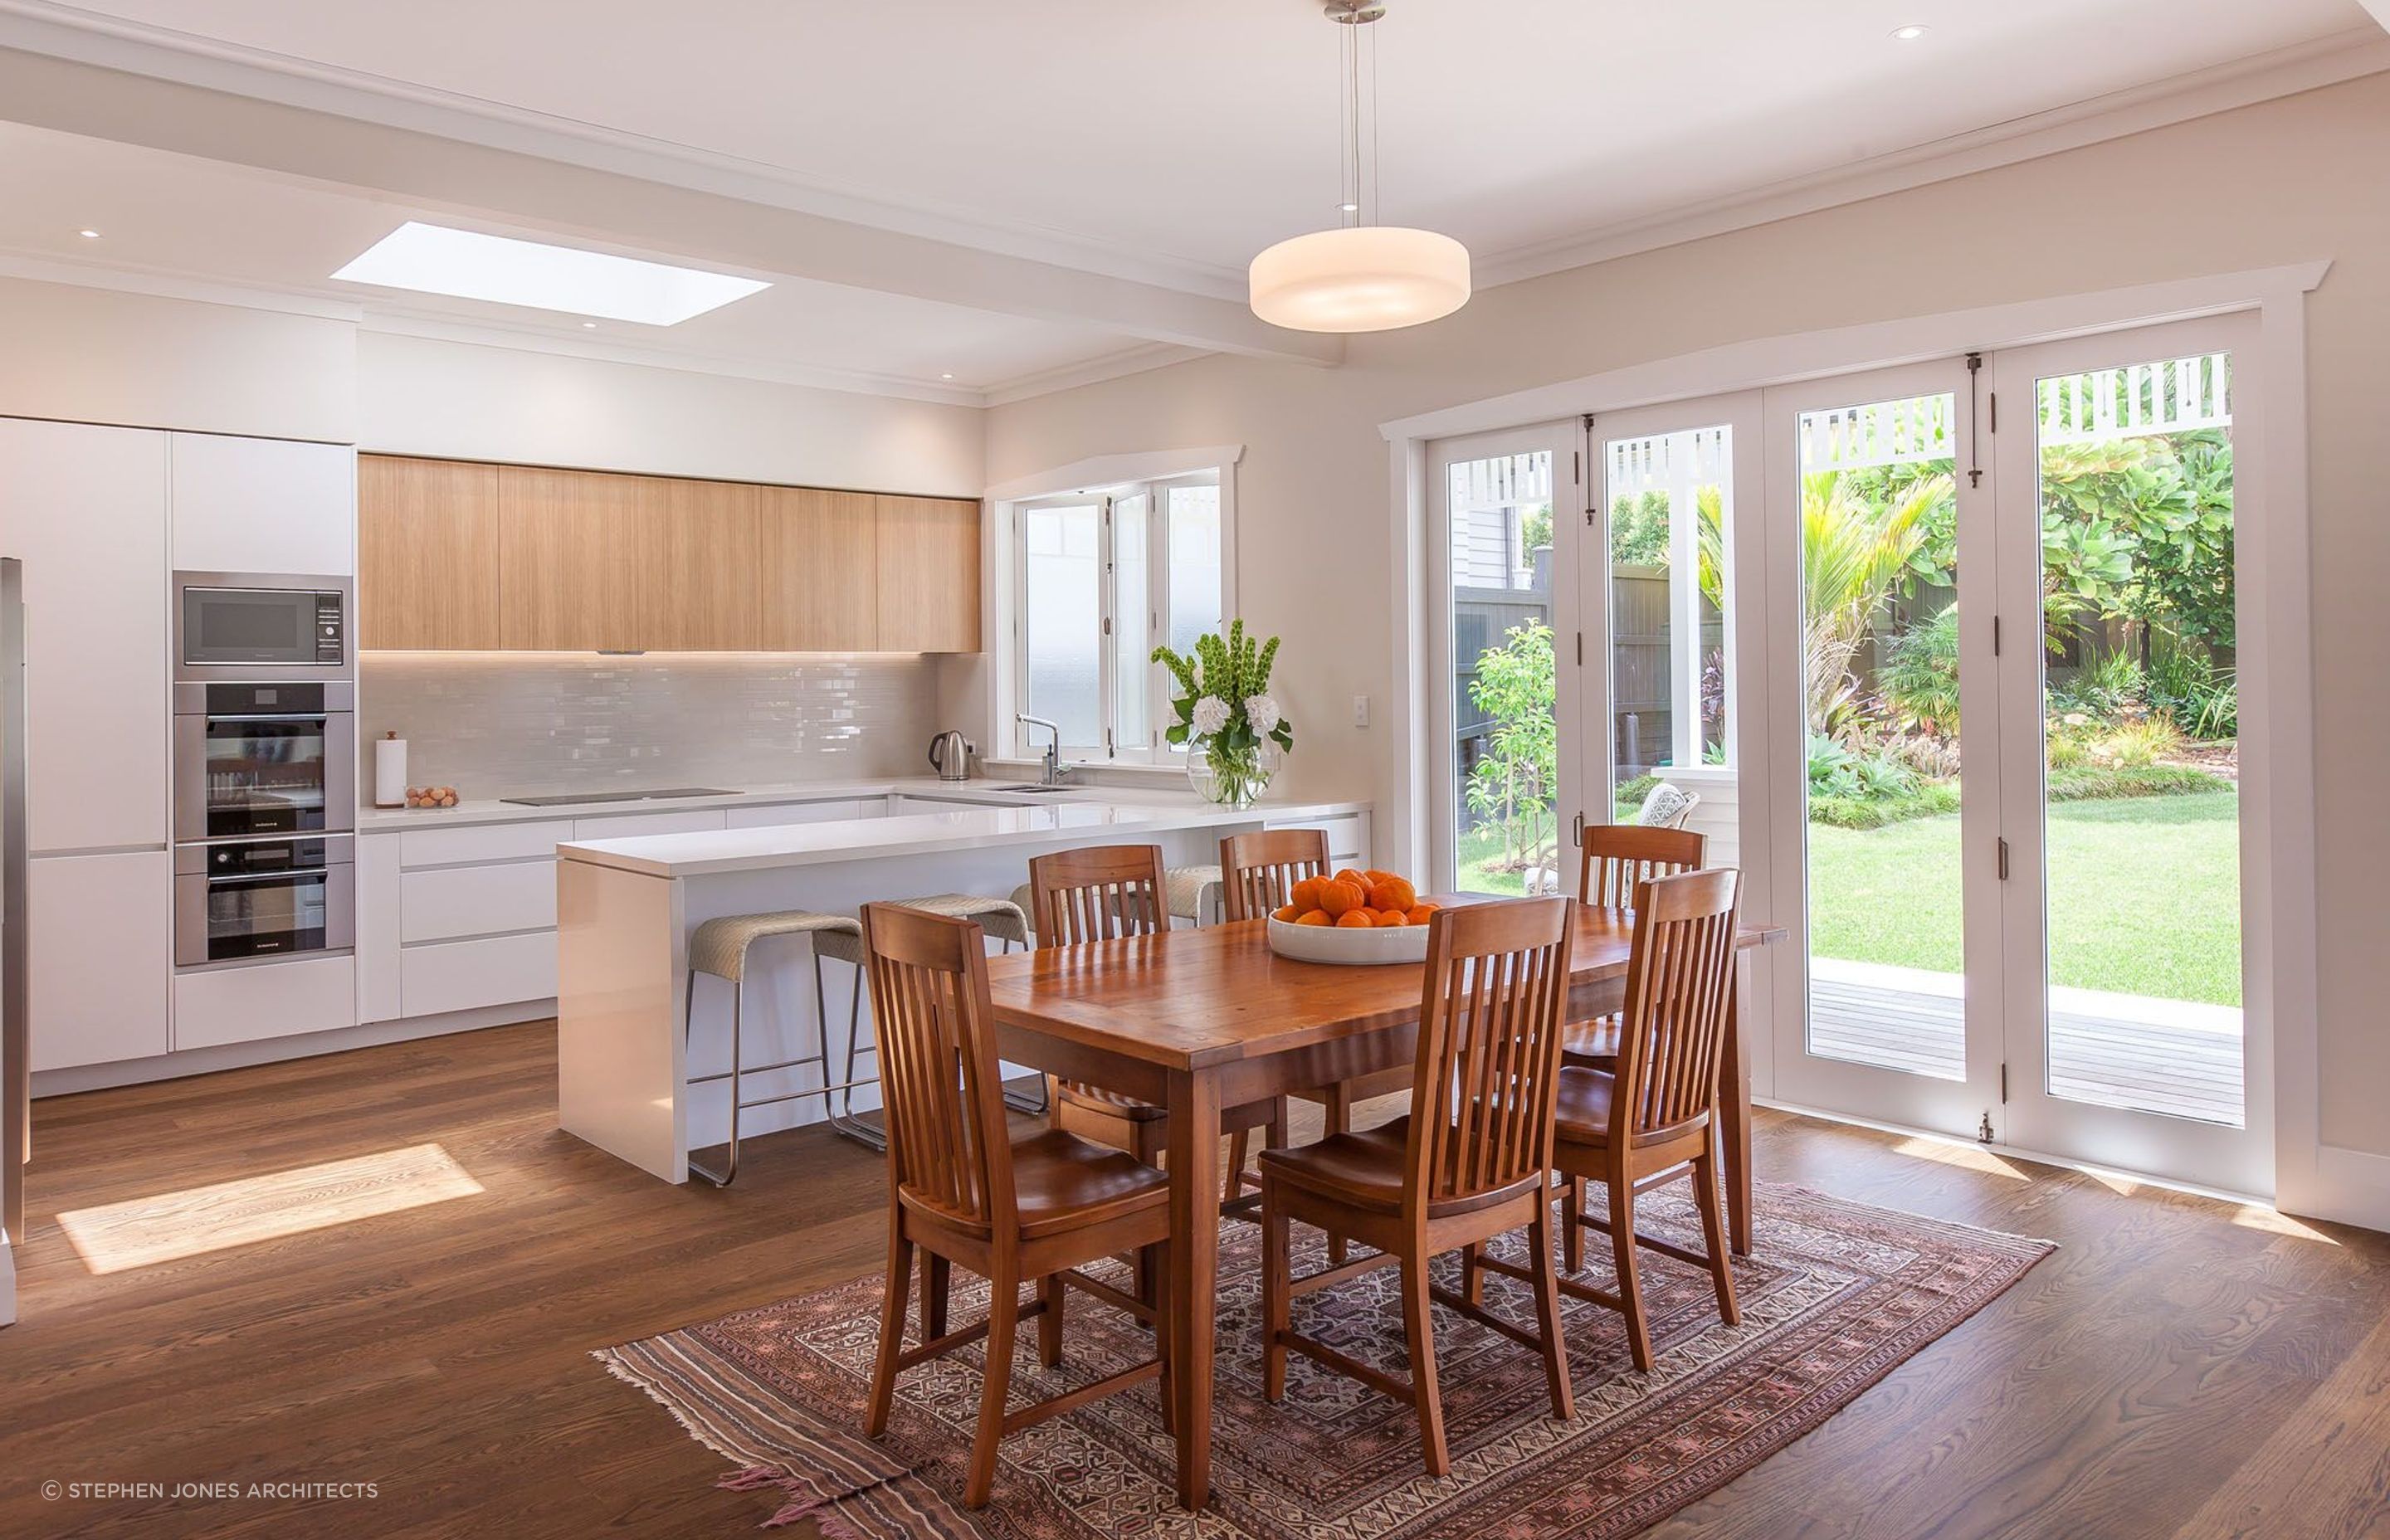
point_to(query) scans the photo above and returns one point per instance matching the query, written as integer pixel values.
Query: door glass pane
(1505, 743)
(1063, 619)
(1194, 538)
(1132, 613)
(1880, 650)
(1671, 499)
(2140, 729)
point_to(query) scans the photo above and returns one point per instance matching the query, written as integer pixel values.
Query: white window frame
(1107, 481)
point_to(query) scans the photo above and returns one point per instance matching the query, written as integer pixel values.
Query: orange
(1420, 913)
(1384, 917)
(1341, 897)
(1315, 917)
(1395, 893)
(1356, 878)
(1288, 914)
(1355, 919)
(1306, 892)
(1374, 875)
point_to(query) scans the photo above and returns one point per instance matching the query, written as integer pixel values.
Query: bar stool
(1002, 917)
(719, 947)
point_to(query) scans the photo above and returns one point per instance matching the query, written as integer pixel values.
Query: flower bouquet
(1227, 722)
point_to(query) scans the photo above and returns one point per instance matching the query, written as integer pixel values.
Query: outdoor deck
(2157, 1056)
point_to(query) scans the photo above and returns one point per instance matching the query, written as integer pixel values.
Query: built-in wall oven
(259, 900)
(266, 773)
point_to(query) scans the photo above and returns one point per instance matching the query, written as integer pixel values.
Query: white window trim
(2310, 1175)
(1004, 674)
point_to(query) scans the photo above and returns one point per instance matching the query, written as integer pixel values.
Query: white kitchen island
(625, 908)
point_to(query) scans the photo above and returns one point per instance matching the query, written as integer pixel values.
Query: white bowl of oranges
(1353, 920)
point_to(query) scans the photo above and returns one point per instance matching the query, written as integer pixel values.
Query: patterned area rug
(1836, 1296)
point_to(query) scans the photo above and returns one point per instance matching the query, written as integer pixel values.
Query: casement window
(1100, 578)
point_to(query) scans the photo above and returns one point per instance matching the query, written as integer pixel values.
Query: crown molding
(41, 267)
(2305, 67)
(165, 53)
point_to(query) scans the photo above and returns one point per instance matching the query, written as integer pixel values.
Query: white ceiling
(1162, 143)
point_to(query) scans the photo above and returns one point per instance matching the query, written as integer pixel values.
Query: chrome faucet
(1055, 768)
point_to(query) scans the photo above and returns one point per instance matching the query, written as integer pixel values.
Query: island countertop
(715, 852)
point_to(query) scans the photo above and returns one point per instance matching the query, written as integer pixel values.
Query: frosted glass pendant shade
(1369, 278)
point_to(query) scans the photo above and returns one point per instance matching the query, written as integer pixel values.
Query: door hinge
(1580, 649)
(2004, 860)
(1107, 625)
(1993, 398)
(1577, 830)
(1984, 1135)
(1576, 467)
(2004, 1084)
(1111, 751)
(1589, 519)
(1996, 635)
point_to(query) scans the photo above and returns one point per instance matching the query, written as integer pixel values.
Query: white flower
(1209, 715)
(1262, 712)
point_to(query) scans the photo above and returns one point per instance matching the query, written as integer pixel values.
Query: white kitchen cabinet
(629, 826)
(278, 999)
(461, 975)
(781, 814)
(377, 921)
(471, 842)
(1348, 836)
(263, 506)
(451, 901)
(103, 949)
(84, 508)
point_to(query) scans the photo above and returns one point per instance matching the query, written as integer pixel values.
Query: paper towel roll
(390, 771)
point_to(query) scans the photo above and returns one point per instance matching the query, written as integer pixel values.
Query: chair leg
(891, 1328)
(1419, 1331)
(1572, 1225)
(1235, 1185)
(1050, 1325)
(1472, 1279)
(1148, 1277)
(1630, 1281)
(1003, 1313)
(1162, 1334)
(1337, 1118)
(1705, 1196)
(936, 1275)
(1548, 1314)
(1277, 1280)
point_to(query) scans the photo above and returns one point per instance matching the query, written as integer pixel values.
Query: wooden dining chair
(1465, 1166)
(1260, 871)
(1652, 1120)
(1615, 858)
(1100, 894)
(963, 1190)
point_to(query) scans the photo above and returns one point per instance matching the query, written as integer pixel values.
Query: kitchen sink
(1036, 790)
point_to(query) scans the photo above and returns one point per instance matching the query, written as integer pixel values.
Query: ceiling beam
(46, 86)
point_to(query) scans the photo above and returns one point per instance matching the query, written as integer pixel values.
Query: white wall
(467, 401)
(2279, 183)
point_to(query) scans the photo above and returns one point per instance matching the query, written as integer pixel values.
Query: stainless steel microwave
(252, 625)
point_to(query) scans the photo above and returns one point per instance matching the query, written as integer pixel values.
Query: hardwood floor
(2180, 1367)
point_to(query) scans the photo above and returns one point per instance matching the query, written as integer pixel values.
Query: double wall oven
(265, 782)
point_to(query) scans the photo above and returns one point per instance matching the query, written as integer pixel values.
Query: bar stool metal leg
(737, 1042)
(847, 1123)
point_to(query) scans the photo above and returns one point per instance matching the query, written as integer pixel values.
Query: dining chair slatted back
(1489, 1048)
(1100, 894)
(948, 1146)
(1618, 856)
(1258, 871)
(1679, 979)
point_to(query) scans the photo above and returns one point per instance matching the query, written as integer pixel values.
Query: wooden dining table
(1193, 1021)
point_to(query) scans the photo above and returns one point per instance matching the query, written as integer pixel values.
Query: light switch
(1360, 711)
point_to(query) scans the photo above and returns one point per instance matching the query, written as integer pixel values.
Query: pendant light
(1363, 276)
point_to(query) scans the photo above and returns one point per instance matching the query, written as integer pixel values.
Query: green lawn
(2143, 895)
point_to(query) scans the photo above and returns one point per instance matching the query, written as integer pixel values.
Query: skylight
(433, 259)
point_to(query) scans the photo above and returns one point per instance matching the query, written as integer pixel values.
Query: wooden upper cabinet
(572, 550)
(699, 585)
(929, 574)
(819, 564)
(427, 554)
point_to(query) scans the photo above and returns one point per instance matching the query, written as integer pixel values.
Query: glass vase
(1230, 776)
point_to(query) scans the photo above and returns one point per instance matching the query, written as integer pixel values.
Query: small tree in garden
(1512, 785)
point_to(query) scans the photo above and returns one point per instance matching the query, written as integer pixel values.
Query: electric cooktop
(577, 798)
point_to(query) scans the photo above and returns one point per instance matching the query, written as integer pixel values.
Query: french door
(2007, 828)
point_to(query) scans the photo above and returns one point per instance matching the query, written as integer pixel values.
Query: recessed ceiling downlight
(465, 264)
(1912, 33)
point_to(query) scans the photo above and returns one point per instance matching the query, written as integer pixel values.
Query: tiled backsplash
(496, 725)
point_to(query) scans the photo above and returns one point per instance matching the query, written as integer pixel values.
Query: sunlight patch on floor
(142, 1232)
(2256, 1216)
(1967, 1157)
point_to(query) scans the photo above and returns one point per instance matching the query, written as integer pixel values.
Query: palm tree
(1854, 553)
